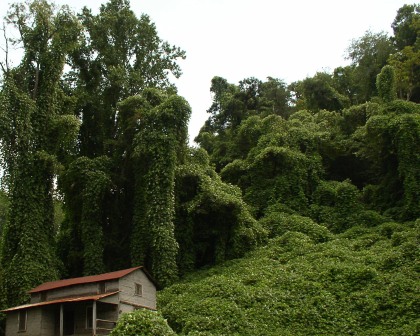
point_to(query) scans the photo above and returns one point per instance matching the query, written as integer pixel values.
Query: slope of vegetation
(361, 282)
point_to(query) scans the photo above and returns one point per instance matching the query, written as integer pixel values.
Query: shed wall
(125, 308)
(73, 291)
(112, 286)
(127, 290)
(33, 325)
(48, 322)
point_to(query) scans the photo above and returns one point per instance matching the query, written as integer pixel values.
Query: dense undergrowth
(364, 281)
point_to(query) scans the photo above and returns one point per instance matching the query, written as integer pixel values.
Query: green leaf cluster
(142, 322)
(213, 223)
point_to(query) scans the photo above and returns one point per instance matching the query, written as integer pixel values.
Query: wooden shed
(88, 305)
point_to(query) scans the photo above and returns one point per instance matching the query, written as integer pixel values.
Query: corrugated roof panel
(83, 280)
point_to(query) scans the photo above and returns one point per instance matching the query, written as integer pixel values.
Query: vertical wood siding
(127, 290)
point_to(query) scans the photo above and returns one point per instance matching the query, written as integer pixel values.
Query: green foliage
(35, 133)
(213, 223)
(389, 141)
(119, 56)
(322, 179)
(293, 286)
(233, 104)
(28, 237)
(283, 161)
(159, 147)
(4, 210)
(278, 223)
(142, 322)
(120, 86)
(277, 173)
(336, 204)
(318, 93)
(86, 185)
(406, 63)
(385, 83)
(274, 97)
(356, 116)
(344, 81)
(368, 54)
(406, 26)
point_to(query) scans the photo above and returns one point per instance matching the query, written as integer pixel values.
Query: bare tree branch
(6, 41)
(5, 65)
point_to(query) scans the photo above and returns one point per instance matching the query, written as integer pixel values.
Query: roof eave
(97, 297)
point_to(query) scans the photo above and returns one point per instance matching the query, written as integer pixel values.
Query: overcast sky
(236, 39)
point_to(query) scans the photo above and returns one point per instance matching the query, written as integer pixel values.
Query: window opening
(23, 317)
(89, 317)
(138, 289)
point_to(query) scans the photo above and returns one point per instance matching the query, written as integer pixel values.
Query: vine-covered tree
(85, 184)
(36, 128)
(406, 63)
(120, 56)
(233, 104)
(368, 54)
(160, 146)
(318, 93)
(212, 223)
(385, 83)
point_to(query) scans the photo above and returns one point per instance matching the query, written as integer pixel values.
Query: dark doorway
(68, 325)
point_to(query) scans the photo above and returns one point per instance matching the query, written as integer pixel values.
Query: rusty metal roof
(84, 280)
(64, 300)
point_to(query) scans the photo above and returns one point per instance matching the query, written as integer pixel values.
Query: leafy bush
(336, 204)
(142, 322)
(278, 223)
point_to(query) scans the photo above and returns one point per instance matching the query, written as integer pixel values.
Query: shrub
(336, 205)
(142, 322)
(278, 223)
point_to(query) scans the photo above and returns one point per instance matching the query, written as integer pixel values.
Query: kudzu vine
(29, 108)
(161, 140)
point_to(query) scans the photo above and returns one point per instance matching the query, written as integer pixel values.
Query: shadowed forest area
(297, 213)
